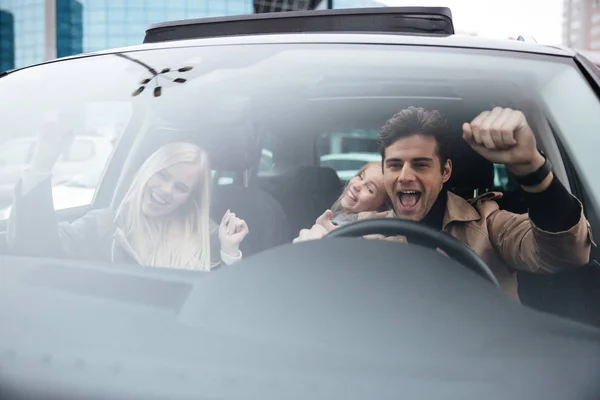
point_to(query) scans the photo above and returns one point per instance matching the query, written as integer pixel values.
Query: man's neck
(435, 217)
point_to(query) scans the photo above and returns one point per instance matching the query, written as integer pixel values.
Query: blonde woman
(363, 193)
(163, 220)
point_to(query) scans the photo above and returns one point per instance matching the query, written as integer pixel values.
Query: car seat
(264, 215)
(472, 174)
(305, 193)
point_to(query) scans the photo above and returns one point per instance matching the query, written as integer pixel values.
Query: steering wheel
(418, 234)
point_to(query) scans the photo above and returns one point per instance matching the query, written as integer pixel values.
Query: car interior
(276, 203)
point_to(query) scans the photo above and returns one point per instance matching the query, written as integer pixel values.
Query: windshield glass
(261, 115)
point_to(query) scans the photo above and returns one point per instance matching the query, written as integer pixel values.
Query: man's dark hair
(417, 121)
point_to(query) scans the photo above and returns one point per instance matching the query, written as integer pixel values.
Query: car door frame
(581, 286)
(592, 74)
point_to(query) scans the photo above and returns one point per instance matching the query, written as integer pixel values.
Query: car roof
(450, 41)
(456, 40)
(419, 21)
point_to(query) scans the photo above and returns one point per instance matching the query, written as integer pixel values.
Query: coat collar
(461, 210)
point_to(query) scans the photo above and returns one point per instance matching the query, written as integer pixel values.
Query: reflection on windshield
(155, 75)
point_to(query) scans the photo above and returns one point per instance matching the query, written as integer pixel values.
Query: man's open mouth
(408, 198)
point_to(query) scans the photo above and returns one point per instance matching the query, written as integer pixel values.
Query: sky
(540, 19)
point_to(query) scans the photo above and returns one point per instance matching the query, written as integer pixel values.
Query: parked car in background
(76, 192)
(347, 164)
(87, 153)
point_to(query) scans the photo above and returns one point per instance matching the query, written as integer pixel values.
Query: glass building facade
(28, 29)
(91, 25)
(351, 4)
(116, 23)
(7, 40)
(69, 28)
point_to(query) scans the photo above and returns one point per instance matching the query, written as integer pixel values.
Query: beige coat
(509, 242)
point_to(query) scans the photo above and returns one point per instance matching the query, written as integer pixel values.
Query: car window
(343, 164)
(347, 151)
(309, 104)
(265, 166)
(88, 180)
(502, 179)
(97, 118)
(266, 161)
(81, 150)
(16, 152)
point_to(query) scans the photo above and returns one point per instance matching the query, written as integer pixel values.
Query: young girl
(163, 220)
(363, 193)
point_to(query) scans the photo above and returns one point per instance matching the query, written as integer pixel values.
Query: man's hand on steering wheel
(422, 235)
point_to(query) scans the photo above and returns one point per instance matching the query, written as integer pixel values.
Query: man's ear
(447, 171)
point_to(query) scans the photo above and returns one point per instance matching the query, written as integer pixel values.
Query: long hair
(182, 240)
(337, 206)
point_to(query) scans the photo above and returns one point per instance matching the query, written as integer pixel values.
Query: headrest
(469, 169)
(318, 179)
(235, 148)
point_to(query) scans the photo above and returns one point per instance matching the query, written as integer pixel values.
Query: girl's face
(168, 189)
(365, 192)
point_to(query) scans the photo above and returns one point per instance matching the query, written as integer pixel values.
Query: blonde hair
(183, 239)
(337, 206)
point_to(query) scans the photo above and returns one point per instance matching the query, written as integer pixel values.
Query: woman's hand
(55, 136)
(231, 233)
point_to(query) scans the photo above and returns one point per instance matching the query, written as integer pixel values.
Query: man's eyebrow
(416, 159)
(387, 160)
(422, 159)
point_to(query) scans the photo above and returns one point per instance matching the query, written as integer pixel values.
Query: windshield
(292, 122)
(355, 89)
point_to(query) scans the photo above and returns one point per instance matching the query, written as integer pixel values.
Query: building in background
(581, 24)
(269, 6)
(351, 4)
(45, 29)
(69, 28)
(42, 30)
(7, 40)
(264, 6)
